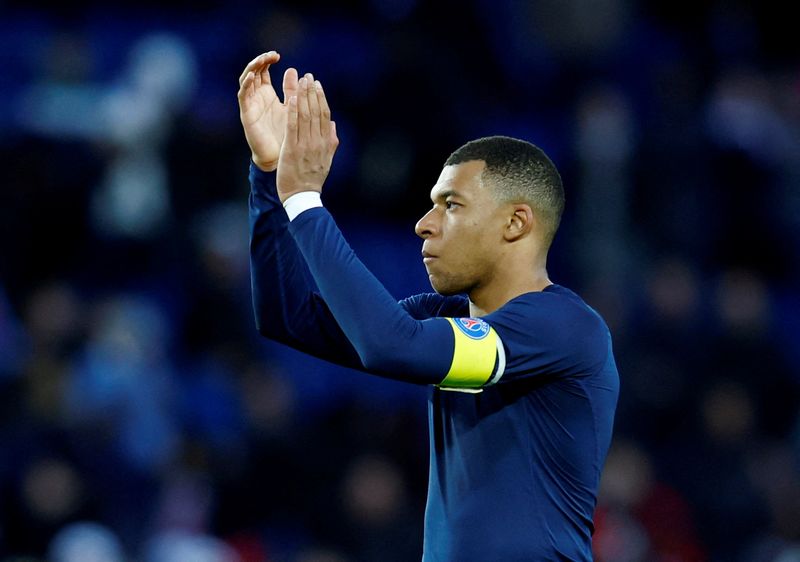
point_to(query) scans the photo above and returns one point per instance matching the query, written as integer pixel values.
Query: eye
(449, 205)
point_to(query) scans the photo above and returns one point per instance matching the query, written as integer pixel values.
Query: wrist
(264, 166)
(284, 195)
(301, 201)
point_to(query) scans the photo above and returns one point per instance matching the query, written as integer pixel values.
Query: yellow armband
(478, 355)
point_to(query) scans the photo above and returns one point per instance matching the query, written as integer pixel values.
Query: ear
(519, 222)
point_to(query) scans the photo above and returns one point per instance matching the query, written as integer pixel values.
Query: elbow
(295, 334)
(379, 355)
(393, 363)
(265, 330)
(373, 362)
(271, 329)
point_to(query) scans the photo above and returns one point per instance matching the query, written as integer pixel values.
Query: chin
(446, 292)
(446, 287)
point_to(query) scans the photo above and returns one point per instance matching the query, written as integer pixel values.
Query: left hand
(262, 113)
(310, 141)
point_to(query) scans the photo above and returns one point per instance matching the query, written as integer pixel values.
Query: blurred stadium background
(141, 418)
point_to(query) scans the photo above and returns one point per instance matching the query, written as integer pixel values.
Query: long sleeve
(389, 341)
(550, 333)
(287, 307)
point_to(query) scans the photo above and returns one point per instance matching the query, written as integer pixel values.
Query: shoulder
(430, 305)
(555, 305)
(557, 318)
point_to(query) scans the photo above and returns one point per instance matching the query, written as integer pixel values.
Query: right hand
(262, 113)
(310, 142)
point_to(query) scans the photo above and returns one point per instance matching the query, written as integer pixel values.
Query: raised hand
(310, 141)
(262, 113)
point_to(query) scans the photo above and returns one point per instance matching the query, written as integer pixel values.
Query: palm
(264, 120)
(262, 114)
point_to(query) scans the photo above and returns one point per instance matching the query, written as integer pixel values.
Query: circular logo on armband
(474, 328)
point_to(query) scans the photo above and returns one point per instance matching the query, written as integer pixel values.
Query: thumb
(334, 140)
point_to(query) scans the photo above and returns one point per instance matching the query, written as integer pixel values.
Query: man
(523, 384)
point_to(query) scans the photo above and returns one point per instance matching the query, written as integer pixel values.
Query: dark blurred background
(142, 418)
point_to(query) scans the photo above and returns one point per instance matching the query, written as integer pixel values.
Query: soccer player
(523, 384)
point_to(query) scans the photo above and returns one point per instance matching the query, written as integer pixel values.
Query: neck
(488, 298)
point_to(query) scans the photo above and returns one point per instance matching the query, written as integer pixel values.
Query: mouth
(427, 257)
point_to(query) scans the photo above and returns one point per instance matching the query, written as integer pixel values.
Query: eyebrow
(445, 194)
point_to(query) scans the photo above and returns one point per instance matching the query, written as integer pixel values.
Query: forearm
(286, 305)
(278, 278)
(388, 340)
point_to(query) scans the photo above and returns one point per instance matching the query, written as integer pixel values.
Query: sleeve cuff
(262, 184)
(300, 202)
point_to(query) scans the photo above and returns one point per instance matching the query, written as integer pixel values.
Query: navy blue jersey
(515, 468)
(522, 400)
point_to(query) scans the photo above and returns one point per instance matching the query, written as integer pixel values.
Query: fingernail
(293, 101)
(318, 84)
(303, 82)
(309, 76)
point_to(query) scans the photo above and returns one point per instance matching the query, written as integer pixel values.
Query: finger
(249, 67)
(263, 74)
(332, 144)
(271, 58)
(257, 63)
(334, 139)
(290, 84)
(324, 111)
(304, 112)
(291, 123)
(245, 88)
(313, 106)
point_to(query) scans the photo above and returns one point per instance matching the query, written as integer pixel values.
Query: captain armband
(478, 356)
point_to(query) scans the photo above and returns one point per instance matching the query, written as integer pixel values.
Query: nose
(426, 227)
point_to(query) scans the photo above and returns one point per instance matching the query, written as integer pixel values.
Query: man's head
(497, 201)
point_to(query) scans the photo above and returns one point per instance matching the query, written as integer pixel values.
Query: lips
(427, 257)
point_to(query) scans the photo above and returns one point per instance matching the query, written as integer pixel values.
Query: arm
(287, 308)
(389, 341)
(545, 334)
(286, 305)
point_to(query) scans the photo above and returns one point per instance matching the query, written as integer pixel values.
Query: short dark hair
(519, 172)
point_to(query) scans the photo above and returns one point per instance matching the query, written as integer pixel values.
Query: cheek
(470, 245)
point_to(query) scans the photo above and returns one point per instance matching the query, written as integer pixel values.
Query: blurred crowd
(141, 416)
